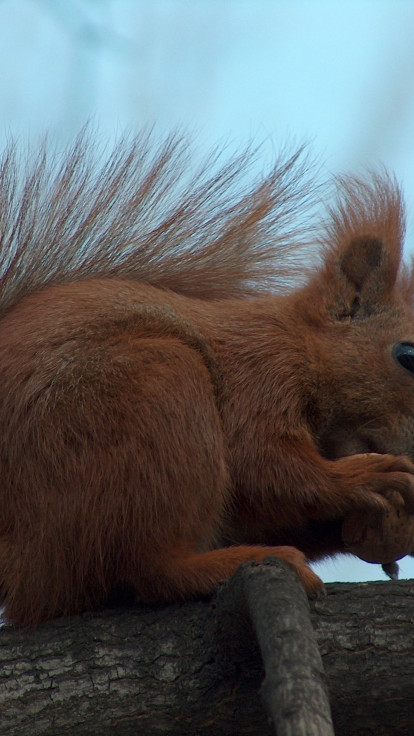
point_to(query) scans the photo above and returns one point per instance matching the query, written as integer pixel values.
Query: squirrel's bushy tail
(143, 214)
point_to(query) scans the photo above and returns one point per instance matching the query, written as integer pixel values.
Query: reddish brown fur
(166, 412)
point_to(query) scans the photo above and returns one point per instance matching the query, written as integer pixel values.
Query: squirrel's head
(358, 311)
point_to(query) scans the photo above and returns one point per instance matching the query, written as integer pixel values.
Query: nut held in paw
(381, 539)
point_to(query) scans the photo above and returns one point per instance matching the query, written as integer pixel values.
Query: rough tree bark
(196, 669)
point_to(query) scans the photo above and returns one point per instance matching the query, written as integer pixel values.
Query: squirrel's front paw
(379, 481)
(380, 537)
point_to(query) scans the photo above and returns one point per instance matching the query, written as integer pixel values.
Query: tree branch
(196, 668)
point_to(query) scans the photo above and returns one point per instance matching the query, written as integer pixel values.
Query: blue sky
(338, 74)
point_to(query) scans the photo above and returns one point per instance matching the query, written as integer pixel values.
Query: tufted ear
(361, 260)
(363, 244)
(366, 265)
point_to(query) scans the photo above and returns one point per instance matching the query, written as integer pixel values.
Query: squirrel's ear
(364, 240)
(367, 266)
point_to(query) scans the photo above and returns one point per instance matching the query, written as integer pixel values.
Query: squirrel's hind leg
(185, 574)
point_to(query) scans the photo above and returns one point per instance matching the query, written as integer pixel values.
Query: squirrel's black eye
(404, 355)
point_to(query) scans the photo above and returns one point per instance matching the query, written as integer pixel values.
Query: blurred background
(338, 74)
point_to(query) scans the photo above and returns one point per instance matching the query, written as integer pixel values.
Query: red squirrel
(168, 410)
